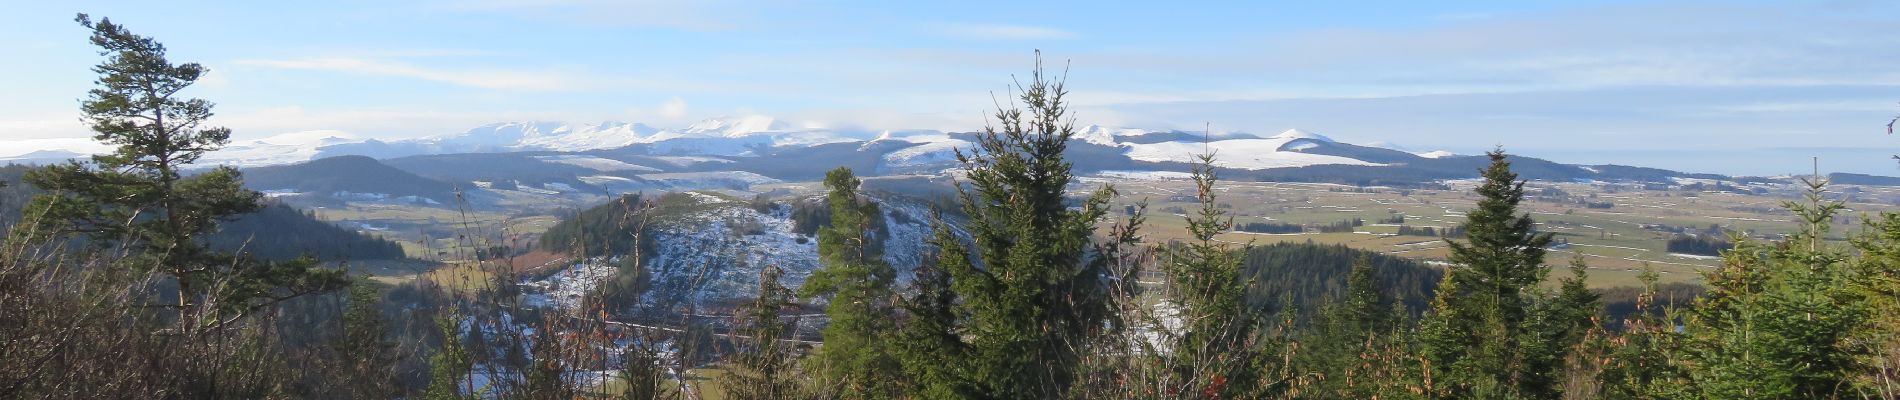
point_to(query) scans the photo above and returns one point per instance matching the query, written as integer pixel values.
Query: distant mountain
(42, 157)
(1861, 179)
(346, 176)
(554, 158)
(726, 136)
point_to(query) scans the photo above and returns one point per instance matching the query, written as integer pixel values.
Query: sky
(1735, 87)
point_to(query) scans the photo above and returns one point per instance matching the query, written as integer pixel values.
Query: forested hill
(602, 230)
(277, 232)
(355, 174)
(1309, 274)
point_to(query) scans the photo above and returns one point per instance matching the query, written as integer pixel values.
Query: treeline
(1269, 227)
(1705, 245)
(1302, 276)
(602, 230)
(279, 232)
(1343, 226)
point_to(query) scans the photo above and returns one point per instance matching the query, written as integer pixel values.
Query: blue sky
(1731, 87)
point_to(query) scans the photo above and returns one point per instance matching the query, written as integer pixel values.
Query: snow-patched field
(1145, 175)
(716, 179)
(596, 163)
(1238, 153)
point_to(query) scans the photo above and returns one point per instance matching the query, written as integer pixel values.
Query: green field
(1613, 241)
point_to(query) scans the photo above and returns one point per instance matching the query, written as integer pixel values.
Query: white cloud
(1002, 32)
(673, 108)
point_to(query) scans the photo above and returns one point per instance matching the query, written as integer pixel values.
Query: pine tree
(929, 347)
(1638, 362)
(1034, 297)
(1212, 326)
(1347, 330)
(138, 196)
(1879, 269)
(762, 366)
(1478, 346)
(1367, 309)
(365, 347)
(1778, 321)
(449, 368)
(1557, 326)
(857, 284)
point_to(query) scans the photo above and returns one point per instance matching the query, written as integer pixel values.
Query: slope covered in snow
(1280, 151)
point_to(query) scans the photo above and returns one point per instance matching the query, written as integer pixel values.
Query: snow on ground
(716, 254)
(596, 163)
(612, 183)
(1145, 175)
(288, 148)
(353, 196)
(705, 180)
(1691, 181)
(605, 135)
(907, 235)
(688, 161)
(1437, 154)
(1239, 153)
(1695, 256)
(932, 149)
(559, 187)
(565, 289)
(707, 198)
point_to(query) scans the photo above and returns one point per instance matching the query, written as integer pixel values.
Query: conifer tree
(762, 364)
(449, 368)
(1477, 333)
(364, 345)
(1638, 362)
(857, 285)
(1779, 321)
(1367, 309)
(1349, 331)
(1213, 328)
(138, 195)
(928, 343)
(1030, 297)
(1879, 269)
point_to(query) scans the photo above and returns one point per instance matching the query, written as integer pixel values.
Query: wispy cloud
(486, 79)
(1002, 32)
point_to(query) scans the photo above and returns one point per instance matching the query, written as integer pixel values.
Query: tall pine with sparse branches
(138, 197)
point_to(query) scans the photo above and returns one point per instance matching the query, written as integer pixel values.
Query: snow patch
(596, 163)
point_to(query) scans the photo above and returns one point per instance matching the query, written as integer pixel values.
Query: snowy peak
(1296, 133)
(1101, 135)
(736, 126)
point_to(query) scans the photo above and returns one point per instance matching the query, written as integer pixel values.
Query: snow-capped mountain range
(757, 135)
